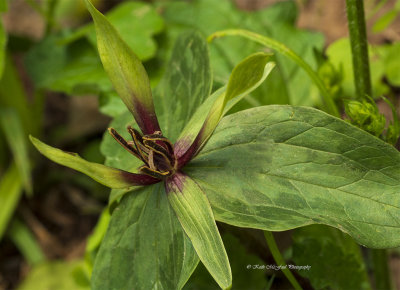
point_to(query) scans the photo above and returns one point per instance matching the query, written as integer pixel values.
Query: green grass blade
(25, 241)
(15, 136)
(10, 193)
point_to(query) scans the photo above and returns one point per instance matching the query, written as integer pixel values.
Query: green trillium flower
(272, 168)
(163, 161)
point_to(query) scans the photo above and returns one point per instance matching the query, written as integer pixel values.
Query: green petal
(281, 167)
(245, 78)
(126, 72)
(108, 176)
(196, 217)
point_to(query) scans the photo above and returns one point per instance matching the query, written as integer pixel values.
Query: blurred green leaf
(334, 257)
(84, 270)
(392, 63)
(277, 21)
(339, 55)
(3, 5)
(387, 18)
(12, 94)
(71, 64)
(244, 277)
(52, 275)
(75, 69)
(26, 242)
(384, 21)
(111, 104)
(46, 60)
(3, 44)
(17, 141)
(10, 194)
(129, 18)
(145, 246)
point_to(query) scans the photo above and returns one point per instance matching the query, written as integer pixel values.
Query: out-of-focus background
(52, 86)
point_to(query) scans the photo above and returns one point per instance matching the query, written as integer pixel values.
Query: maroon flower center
(155, 150)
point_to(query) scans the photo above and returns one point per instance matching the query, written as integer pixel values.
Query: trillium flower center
(155, 150)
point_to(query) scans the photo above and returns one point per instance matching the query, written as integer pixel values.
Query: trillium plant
(182, 165)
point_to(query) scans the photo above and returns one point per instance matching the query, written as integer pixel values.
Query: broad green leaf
(136, 22)
(108, 176)
(196, 217)
(126, 72)
(246, 77)
(15, 136)
(185, 85)
(26, 242)
(281, 167)
(338, 264)
(52, 275)
(3, 43)
(145, 246)
(10, 194)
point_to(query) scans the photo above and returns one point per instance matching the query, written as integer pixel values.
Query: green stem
(359, 47)
(281, 48)
(381, 269)
(279, 259)
(362, 82)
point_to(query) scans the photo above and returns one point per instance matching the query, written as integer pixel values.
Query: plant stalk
(359, 48)
(381, 269)
(279, 259)
(362, 82)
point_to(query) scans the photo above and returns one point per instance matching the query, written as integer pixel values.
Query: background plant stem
(362, 82)
(359, 47)
(279, 259)
(381, 269)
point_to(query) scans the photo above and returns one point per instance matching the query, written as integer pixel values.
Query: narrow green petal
(108, 176)
(125, 71)
(196, 217)
(245, 78)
